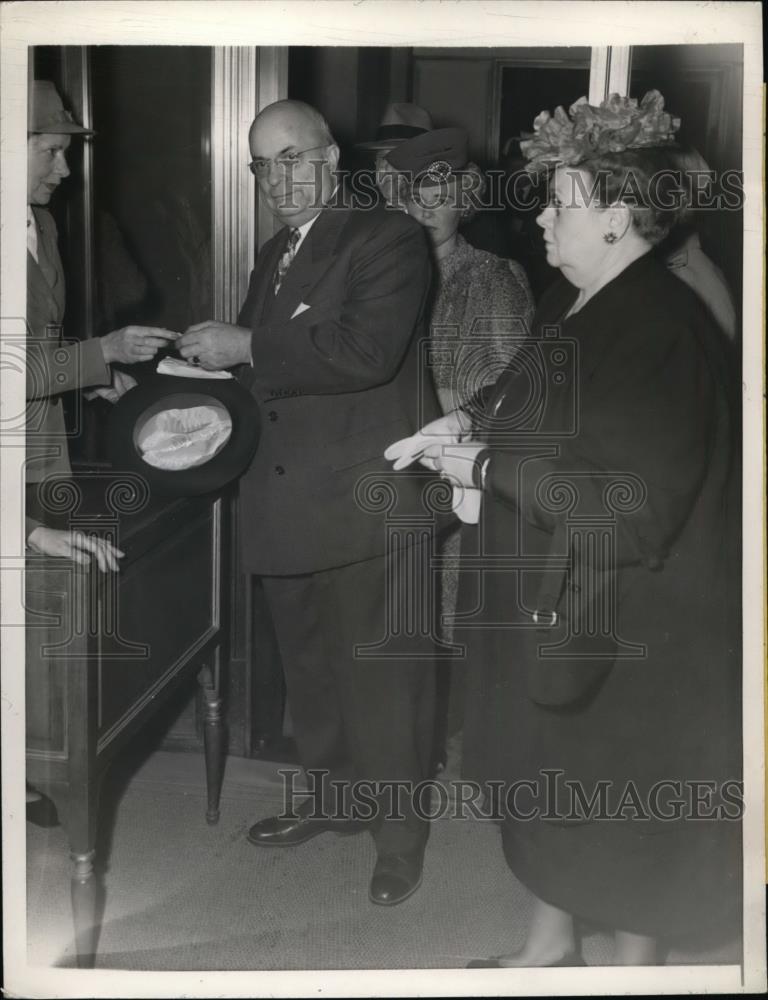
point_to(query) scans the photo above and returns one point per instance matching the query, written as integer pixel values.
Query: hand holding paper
(214, 346)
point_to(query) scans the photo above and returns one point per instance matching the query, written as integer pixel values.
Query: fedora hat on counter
(46, 112)
(400, 122)
(184, 436)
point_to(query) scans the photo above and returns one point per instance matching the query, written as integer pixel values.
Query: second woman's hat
(400, 122)
(432, 158)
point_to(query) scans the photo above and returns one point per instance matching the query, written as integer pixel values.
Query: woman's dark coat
(612, 501)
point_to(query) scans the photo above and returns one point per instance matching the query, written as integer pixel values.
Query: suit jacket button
(279, 470)
(272, 415)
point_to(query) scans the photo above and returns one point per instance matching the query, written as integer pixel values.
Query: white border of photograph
(389, 23)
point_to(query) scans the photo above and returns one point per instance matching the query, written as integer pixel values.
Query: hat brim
(380, 144)
(62, 128)
(174, 392)
(425, 181)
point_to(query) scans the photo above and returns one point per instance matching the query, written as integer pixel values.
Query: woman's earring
(610, 237)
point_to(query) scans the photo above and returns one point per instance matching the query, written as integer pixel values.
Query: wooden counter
(104, 651)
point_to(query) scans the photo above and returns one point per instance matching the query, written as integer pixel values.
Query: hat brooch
(439, 171)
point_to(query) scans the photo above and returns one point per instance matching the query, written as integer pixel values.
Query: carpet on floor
(182, 895)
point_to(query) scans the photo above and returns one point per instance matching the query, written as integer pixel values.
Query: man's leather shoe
(395, 878)
(277, 832)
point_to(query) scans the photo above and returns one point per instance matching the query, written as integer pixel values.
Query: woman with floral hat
(604, 684)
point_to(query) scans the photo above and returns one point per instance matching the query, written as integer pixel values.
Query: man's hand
(121, 383)
(76, 546)
(135, 343)
(215, 345)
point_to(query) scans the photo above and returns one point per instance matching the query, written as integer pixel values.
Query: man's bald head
(297, 117)
(294, 159)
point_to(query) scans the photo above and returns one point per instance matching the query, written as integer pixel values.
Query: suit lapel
(48, 260)
(315, 256)
(43, 306)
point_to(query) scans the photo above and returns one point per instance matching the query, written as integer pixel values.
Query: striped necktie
(285, 260)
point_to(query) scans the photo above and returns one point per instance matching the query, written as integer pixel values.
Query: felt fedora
(400, 122)
(185, 436)
(46, 113)
(432, 158)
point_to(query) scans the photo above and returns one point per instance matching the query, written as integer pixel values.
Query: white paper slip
(175, 366)
(466, 504)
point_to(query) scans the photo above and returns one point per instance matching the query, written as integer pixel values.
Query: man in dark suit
(328, 335)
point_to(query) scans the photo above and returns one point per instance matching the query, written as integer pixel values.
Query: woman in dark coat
(603, 672)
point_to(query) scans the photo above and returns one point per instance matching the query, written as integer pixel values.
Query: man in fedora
(400, 122)
(329, 340)
(55, 366)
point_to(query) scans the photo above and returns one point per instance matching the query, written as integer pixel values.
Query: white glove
(453, 428)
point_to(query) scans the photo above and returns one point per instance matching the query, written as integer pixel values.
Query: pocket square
(300, 308)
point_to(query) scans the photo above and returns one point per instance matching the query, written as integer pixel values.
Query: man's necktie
(286, 259)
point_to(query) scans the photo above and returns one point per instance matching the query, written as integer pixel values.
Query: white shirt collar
(31, 232)
(305, 227)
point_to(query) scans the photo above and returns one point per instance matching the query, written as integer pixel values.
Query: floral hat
(586, 131)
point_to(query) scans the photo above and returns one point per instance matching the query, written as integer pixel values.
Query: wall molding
(233, 212)
(609, 71)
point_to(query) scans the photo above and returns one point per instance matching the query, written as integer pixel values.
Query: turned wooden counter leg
(213, 736)
(85, 903)
(87, 892)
